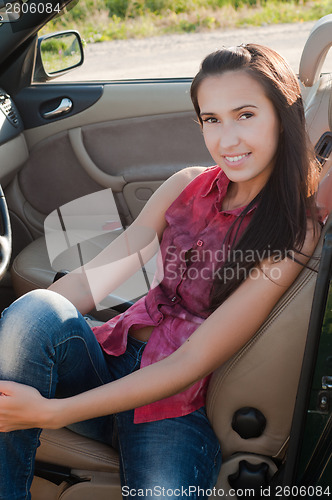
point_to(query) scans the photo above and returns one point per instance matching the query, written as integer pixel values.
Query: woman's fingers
(21, 407)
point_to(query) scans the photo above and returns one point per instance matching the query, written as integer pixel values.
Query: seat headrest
(315, 51)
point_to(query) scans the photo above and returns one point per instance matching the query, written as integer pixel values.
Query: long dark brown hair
(279, 222)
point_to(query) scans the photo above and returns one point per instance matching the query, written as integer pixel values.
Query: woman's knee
(30, 323)
(37, 307)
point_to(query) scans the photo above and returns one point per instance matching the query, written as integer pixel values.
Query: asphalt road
(180, 55)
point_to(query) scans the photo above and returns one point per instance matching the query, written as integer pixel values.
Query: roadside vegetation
(101, 20)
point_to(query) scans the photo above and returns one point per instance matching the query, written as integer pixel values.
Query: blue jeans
(46, 343)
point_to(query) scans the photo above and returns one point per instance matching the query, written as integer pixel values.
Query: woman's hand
(23, 407)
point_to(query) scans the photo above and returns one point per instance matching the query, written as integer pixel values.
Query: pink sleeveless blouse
(192, 249)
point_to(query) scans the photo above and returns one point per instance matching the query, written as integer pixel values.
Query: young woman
(233, 237)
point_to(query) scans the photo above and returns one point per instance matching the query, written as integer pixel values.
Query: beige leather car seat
(251, 398)
(259, 385)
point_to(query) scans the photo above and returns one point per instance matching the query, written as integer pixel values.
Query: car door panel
(136, 194)
(13, 154)
(130, 139)
(118, 101)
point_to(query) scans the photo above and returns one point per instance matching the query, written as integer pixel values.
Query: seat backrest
(251, 398)
(256, 388)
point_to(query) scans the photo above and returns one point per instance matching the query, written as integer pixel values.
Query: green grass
(100, 20)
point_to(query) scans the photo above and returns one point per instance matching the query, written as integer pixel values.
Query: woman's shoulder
(187, 175)
(176, 185)
(190, 186)
(174, 191)
(205, 174)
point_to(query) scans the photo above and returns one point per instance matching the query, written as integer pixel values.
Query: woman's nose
(228, 138)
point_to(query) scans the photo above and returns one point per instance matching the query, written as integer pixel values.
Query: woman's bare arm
(88, 285)
(221, 335)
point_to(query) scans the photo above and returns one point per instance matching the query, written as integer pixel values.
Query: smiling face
(240, 126)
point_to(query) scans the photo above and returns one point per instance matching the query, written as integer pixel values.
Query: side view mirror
(58, 53)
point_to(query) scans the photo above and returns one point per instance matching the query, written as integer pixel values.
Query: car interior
(110, 142)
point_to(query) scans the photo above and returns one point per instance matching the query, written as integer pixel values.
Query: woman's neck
(238, 196)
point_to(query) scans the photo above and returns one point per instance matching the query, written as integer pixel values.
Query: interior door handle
(64, 107)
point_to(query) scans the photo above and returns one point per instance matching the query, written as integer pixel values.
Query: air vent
(323, 148)
(8, 109)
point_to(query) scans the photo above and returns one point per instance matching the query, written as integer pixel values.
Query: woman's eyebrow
(207, 113)
(235, 110)
(245, 106)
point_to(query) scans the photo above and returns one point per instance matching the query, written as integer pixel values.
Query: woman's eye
(245, 116)
(210, 120)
